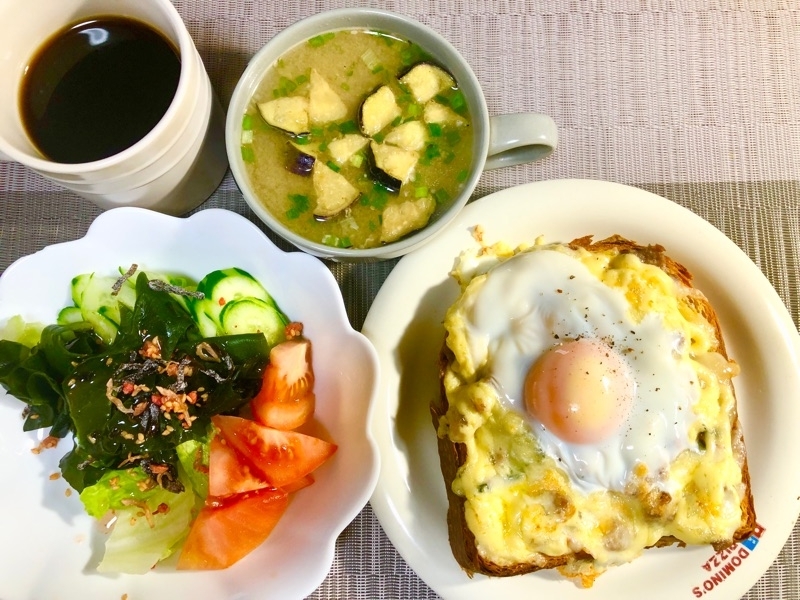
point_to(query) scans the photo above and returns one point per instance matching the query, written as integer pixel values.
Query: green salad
(132, 373)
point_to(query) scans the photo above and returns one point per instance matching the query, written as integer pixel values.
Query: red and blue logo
(726, 561)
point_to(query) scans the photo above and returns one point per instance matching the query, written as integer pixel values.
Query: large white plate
(405, 325)
(50, 548)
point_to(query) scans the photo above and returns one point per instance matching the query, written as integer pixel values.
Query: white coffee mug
(174, 167)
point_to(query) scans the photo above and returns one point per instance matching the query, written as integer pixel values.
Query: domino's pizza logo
(726, 561)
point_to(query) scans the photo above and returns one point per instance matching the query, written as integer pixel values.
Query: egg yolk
(581, 391)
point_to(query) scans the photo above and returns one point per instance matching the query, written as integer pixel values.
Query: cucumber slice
(127, 294)
(207, 324)
(232, 284)
(97, 304)
(227, 285)
(79, 284)
(104, 327)
(252, 315)
(69, 315)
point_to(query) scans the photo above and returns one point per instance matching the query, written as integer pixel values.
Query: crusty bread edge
(453, 455)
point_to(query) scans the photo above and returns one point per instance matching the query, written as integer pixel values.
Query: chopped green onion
(337, 242)
(435, 129)
(286, 85)
(302, 140)
(316, 41)
(387, 38)
(370, 59)
(441, 196)
(432, 151)
(407, 56)
(376, 198)
(452, 137)
(458, 102)
(301, 79)
(345, 86)
(348, 127)
(397, 121)
(333, 166)
(357, 160)
(323, 146)
(413, 110)
(317, 131)
(377, 69)
(448, 157)
(299, 205)
(421, 192)
(378, 137)
(247, 154)
(462, 176)
(247, 136)
(247, 122)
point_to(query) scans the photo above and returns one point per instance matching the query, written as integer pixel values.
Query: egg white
(535, 300)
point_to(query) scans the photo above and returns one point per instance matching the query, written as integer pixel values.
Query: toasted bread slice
(453, 455)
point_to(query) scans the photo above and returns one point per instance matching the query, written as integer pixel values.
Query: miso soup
(356, 138)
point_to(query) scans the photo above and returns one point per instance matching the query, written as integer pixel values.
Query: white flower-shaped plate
(50, 547)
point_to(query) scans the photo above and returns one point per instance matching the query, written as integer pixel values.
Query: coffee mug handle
(520, 138)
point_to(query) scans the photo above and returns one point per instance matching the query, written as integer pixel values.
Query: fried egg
(601, 390)
(593, 408)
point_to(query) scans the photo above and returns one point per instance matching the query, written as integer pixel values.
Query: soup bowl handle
(520, 138)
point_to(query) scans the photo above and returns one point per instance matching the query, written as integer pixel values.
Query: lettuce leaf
(150, 524)
(190, 453)
(18, 330)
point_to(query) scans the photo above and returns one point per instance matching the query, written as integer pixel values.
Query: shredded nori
(119, 282)
(163, 286)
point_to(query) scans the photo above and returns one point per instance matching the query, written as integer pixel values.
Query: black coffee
(97, 87)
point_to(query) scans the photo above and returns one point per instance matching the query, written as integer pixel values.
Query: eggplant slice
(377, 111)
(289, 114)
(341, 149)
(333, 192)
(411, 135)
(403, 218)
(434, 112)
(298, 161)
(425, 80)
(392, 166)
(324, 104)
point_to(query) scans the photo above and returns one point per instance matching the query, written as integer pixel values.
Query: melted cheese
(522, 506)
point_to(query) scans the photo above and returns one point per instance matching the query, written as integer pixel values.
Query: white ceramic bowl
(378, 20)
(51, 547)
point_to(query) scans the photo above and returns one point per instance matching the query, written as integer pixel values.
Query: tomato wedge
(226, 531)
(229, 473)
(286, 399)
(280, 457)
(299, 484)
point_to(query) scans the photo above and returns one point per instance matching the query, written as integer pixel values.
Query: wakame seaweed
(132, 402)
